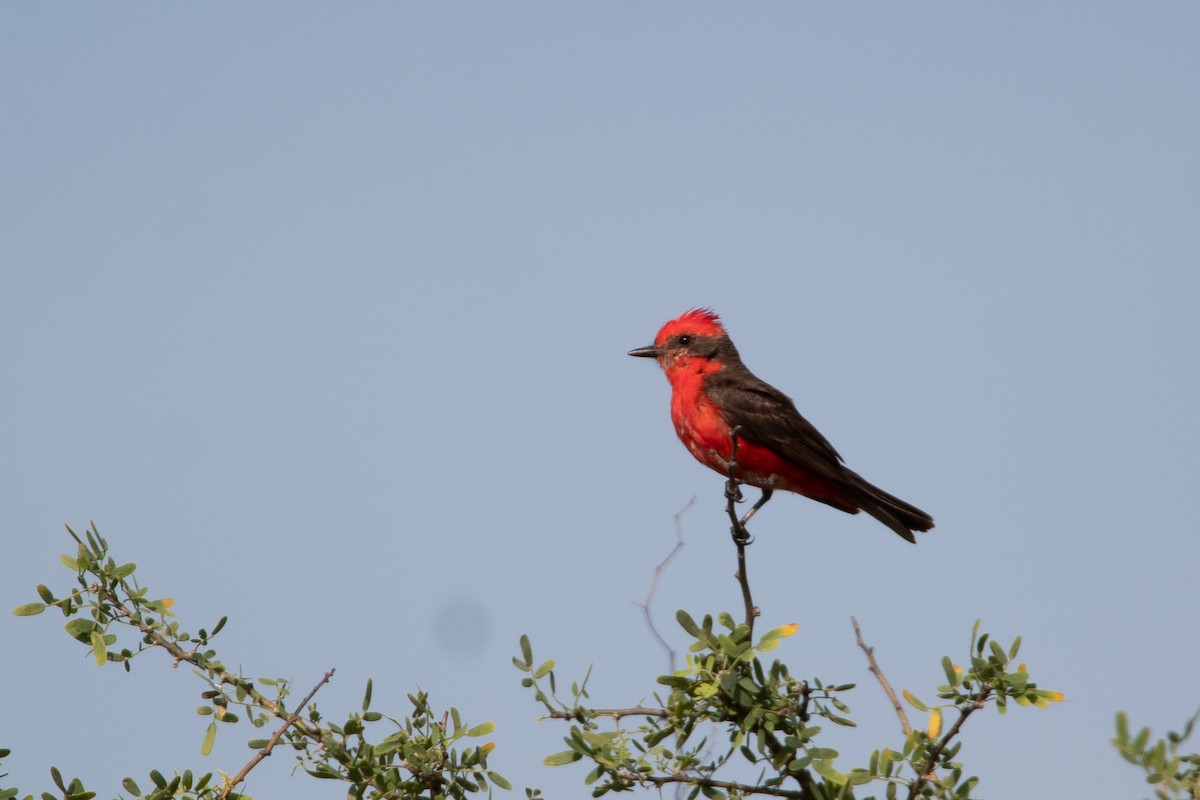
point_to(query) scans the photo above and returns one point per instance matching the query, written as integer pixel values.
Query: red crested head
(694, 342)
(697, 322)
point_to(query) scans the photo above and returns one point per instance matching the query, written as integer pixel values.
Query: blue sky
(321, 313)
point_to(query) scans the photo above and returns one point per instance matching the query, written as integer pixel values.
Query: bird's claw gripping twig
(733, 494)
(737, 529)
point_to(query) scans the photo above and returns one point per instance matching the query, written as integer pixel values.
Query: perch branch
(741, 536)
(275, 737)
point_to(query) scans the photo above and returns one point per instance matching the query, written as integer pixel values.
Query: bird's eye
(685, 340)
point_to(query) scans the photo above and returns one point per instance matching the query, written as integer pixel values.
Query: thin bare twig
(658, 571)
(579, 714)
(883, 681)
(275, 737)
(741, 789)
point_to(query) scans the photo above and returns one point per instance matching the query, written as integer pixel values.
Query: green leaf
(29, 609)
(1016, 645)
(771, 638)
(124, 571)
(827, 771)
(131, 787)
(366, 704)
(498, 779)
(69, 562)
(559, 759)
(913, 701)
(858, 777)
(98, 650)
(80, 629)
(657, 736)
(687, 623)
(1122, 727)
(482, 729)
(952, 676)
(526, 650)
(210, 736)
(543, 669)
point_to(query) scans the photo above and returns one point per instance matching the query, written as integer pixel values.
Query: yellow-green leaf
(482, 729)
(29, 609)
(935, 723)
(913, 701)
(210, 736)
(827, 771)
(98, 649)
(559, 759)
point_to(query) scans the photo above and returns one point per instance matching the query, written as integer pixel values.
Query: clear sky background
(320, 311)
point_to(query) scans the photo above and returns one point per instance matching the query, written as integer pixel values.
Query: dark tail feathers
(890, 510)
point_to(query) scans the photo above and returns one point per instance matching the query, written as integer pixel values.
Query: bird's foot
(740, 535)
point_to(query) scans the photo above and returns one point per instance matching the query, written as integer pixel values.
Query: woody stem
(741, 536)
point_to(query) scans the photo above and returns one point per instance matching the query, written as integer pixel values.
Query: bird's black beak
(647, 352)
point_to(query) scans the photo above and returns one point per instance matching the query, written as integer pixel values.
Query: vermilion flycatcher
(712, 393)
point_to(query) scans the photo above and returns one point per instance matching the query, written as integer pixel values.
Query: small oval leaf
(935, 723)
(482, 729)
(29, 609)
(98, 650)
(913, 701)
(559, 759)
(210, 736)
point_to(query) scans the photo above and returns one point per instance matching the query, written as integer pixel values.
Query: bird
(714, 394)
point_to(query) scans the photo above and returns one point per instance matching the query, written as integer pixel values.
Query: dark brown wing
(768, 417)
